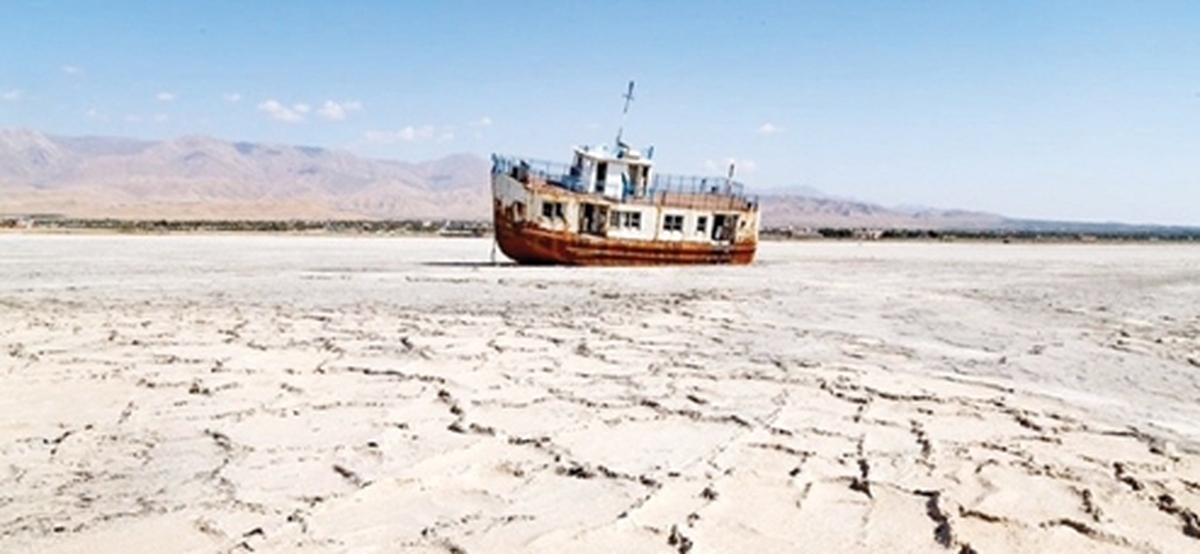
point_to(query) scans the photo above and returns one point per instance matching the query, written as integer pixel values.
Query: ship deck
(679, 191)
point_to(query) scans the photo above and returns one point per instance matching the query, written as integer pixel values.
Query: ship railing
(551, 173)
(665, 189)
(717, 193)
(696, 184)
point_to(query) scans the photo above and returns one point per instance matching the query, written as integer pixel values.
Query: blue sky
(1084, 110)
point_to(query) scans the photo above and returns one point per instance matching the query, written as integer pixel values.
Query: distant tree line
(475, 228)
(415, 227)
(1002, 235)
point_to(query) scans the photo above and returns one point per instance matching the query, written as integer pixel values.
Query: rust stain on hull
(527, 243)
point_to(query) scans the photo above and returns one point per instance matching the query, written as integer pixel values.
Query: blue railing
(689, 184)
(553, 173)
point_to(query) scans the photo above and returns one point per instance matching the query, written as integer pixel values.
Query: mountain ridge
(178, 177)
(201, 177)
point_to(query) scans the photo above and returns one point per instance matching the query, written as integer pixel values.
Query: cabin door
(723, 227)
(594, 219)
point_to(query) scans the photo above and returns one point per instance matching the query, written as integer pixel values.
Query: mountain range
(198, 177)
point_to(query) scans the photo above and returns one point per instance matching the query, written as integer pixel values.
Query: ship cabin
(620, 176)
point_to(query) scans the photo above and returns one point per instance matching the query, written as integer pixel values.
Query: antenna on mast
(628, 96)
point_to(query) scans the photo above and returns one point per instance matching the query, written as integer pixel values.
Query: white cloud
(379, 137)
(409, 134)
(329, 111)
(95, 114)
(13, 95)
(279, 112)
(160, 118)
(72, 69)
(412, 134)
(333, 111)
(232, 97)
(446, 135)
(133, 119)
(484, 121)
(769, 129)
(164, 96)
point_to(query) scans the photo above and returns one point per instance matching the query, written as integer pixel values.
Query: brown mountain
(784, 210)
(202, 177)
(197, 177)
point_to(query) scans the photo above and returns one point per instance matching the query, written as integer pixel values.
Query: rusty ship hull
(526, 243)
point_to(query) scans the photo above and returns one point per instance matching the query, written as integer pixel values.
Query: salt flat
(286, 393)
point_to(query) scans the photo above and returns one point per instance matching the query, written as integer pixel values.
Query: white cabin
(617, 175)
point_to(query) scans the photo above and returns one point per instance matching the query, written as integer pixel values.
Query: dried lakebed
(249, 393)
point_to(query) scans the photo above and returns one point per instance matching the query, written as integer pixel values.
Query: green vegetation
(402, 227)
(1177, 234)
(473, 228)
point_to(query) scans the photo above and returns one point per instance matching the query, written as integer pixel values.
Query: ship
(608, 206)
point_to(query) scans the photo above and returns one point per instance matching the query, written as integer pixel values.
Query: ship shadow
(469, 264)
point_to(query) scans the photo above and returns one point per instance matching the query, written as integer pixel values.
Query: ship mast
(628, 96)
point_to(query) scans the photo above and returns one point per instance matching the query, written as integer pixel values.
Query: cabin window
(626, 220)
(672, 222)
(701, 225)
(552, 209)
(601, 173)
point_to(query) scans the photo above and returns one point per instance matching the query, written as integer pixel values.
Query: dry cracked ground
(248, 394)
